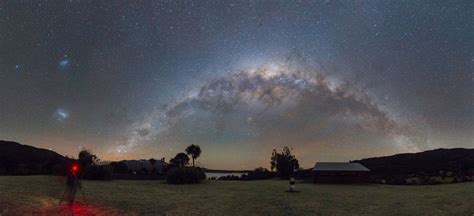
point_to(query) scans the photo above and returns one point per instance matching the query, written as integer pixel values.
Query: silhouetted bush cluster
(119, 167)
(258, 174)
(96, 172)
(229, 178)
(419, 179)
(185, 175)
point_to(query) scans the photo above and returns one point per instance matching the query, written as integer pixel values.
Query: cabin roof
(338, 166)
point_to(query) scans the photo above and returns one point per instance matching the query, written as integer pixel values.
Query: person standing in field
(72, 184)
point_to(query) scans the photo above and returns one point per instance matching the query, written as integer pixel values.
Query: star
(239, 78)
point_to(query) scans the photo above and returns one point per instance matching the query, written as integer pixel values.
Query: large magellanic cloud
(271, 105)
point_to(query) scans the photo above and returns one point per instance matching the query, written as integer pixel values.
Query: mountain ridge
(21, 159)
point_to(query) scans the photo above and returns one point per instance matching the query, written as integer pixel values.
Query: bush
(229, 178)
(185, 175)
(258, 174)
(396, 180)
(119, 167)
(96, 172)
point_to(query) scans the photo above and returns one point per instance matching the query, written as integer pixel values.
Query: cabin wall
(340, 177)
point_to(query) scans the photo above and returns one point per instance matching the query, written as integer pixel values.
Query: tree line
(282, 164)
(17, 159)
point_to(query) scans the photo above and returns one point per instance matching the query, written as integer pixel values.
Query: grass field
(40, 195)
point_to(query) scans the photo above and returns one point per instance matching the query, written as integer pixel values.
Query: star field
(335, 80)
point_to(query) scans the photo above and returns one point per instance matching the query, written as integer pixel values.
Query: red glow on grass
(78, 209)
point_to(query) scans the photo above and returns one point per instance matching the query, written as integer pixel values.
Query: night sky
(335, 80)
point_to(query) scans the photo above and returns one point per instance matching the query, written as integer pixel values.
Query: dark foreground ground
(40, 195)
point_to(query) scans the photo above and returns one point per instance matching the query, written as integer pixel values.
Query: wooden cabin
(340, 173)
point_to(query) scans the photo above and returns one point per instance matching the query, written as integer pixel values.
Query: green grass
(41, 194)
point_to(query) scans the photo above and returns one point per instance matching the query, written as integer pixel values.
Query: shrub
(185, 175)
(119, 167)
(229, 178)
(396, 180)
(258, 174)
(96, 172)
(143, 171)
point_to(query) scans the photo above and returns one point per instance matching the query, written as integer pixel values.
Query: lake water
(220, 174)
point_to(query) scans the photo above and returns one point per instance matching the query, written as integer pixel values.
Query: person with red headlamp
(72, 183)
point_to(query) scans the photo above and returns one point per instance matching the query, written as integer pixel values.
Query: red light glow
(74, 168)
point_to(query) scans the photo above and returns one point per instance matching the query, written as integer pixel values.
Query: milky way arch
(271, 100)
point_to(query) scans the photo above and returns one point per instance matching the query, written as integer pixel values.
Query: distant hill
(455, 163)
(18, 159)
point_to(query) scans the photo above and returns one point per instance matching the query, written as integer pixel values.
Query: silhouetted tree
(273, 160)
(99, 172)
(86, 159)
(180, 160)
(185, 175)
(89, 169)
(257, 174)
(194, 151)
(152, 163)
(284, 162)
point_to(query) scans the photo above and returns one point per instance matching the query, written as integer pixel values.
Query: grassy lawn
(26, 195)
